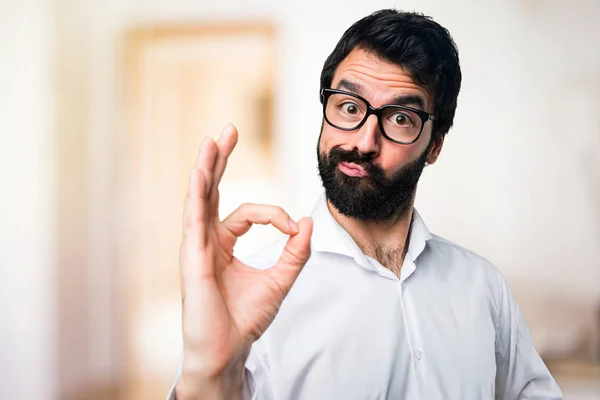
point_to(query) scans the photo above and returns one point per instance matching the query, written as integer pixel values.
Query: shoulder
(460, 259)
(466, 268)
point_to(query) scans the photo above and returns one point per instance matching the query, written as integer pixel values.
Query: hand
(227, 305)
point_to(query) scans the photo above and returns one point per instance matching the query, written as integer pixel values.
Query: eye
(350, 108)
(402, 119)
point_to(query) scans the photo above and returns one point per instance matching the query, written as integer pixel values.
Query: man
(376, 307)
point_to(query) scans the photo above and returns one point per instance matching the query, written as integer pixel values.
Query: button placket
(418, 354)
(414, 342)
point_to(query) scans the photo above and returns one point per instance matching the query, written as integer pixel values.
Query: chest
(383, 340)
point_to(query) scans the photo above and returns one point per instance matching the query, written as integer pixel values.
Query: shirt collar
(329, 236)
(419, 236)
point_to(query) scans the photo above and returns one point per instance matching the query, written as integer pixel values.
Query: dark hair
(413, 41)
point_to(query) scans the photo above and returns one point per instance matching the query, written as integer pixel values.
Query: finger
(295, 254)
(240, 221)
(205, 161)
(194, 221)
(226, 144)
(195, 259)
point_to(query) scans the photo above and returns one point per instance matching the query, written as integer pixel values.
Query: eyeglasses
(347, 111)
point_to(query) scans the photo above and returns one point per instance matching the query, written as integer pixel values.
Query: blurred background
(103, 106)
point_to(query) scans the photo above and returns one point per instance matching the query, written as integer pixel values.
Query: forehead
(381, 80)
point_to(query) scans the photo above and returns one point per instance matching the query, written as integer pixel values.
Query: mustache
(337, 155)
(365, 160)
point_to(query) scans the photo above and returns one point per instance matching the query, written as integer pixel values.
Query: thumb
(295, 254)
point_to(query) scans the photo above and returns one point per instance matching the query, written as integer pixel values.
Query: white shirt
(448, 328)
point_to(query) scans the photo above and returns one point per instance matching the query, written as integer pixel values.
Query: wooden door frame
(128, 156)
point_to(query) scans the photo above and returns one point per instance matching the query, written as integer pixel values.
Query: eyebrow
(402, 100)
(351, 86)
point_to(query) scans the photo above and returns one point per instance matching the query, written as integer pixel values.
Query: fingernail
(293, 225)
(203, 142)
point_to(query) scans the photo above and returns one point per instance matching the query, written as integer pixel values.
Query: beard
(375, 197)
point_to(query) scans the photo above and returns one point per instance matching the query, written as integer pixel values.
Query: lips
(352, 169)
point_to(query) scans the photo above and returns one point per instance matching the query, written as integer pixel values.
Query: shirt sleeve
(254, 367)
(520, 371)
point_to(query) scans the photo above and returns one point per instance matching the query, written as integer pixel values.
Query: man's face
(365, 175)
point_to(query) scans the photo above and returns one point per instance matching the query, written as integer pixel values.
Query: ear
(436, 148)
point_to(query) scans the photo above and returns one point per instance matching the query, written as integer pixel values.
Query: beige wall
(28, 287)
(518, 180)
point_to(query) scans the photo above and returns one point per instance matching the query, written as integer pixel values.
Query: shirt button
(418, 355)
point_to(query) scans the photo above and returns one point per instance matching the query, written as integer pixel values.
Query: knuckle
(281, 212)
(247, 208)
(294, 256)
(190, 223)
(297, 255)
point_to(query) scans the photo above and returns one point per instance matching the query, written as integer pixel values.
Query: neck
(386, 241)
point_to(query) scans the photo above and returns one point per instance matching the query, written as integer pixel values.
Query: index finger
(240, 220)
(225, 144)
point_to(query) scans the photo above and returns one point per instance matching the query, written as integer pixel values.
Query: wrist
(226, 385)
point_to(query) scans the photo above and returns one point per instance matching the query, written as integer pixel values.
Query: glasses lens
(345, 111)
(400, 124)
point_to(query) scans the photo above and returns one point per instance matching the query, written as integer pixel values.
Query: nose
(368, 137)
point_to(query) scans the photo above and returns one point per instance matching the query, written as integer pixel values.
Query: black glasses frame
(424, 115)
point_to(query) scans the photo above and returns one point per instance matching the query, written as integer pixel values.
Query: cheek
(394, 158)
(331, 138)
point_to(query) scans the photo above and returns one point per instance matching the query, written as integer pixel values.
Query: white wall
(517, 182)
(520, 175)
(27, 281)
(510, 183)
